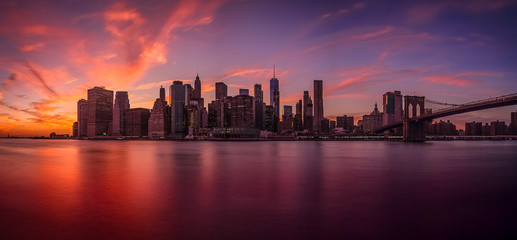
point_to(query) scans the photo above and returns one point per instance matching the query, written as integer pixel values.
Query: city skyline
(48, 63)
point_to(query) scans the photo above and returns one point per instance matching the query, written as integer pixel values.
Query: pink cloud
(463, 79)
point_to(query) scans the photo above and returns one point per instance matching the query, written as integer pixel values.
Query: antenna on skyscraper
(273, 70)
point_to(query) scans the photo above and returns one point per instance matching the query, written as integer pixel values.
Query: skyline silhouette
(451, 52)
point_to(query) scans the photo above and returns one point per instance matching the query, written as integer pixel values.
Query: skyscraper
(391, 107)
(318, 104)
(197, 87)
(307, 111)
(100, 111)
(274, 96)
(242, 112)
(298, 117)
(137, 122)
(258, 93)
(260, 108)
(160, 120)
(221, 90)
(82, 118)
(119, 111)
(189, 93)
(177, 99)
(513, 123)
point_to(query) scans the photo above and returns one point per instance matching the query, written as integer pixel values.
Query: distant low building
(372, 121)
(442, 129)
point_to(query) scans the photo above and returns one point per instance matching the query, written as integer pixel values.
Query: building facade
(119, 110)
(82, 118)
(137, 122)
(100, 112)
(318, 105)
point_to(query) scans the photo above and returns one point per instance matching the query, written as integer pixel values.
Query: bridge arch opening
(417, 112)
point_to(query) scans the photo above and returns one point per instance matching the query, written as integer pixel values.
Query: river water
(70, 189)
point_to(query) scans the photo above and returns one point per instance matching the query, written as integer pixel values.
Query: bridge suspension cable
(441, 103)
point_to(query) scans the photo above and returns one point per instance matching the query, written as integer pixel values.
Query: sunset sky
(51, 52)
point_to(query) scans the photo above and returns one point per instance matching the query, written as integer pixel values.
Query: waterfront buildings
(318, 105)
(160, 120)
(513, 123)
(473, 128)
(137, 122)
(100, 112)
(260, 107)
(345, 122)
(82, 118)
(119, 111)
(243, 91)
(442, 128)
(177, 100)
(372, 121)
(274, 100)
(307, 111)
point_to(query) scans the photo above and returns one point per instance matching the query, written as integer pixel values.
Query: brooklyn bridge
(415, 118)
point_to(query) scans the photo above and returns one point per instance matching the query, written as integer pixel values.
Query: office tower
(392, 107)
(177, 99)
(216, 114)
(137, 122)
(473, 128)
(189, 93)
(243, 91)
(318, 105)
(260, 107)
(307, 111)
(100, 111)
(119, 110)
(258, 93)
(497, 128)
(221, 90)
(197, 87)
(75, 130)
(82, 118)
(274, 96)
(298, 118)
(287, 118)
(345, 122)
(242, 108)
(196, 116)
(288, 112)
(325, 126)
(270, 118)
(160, 120)
(513, 123)
(332, 125)
(372, 121)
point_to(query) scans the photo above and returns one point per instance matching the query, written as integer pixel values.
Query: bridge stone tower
(414, 130)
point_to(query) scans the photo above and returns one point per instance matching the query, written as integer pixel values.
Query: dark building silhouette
(196, 116)
(473, 129)
(242, 108)
(75, 129)
(100, 111)
(287, 118)
(270, 118)
(274, 99)
(392, 109)
(513, 123)
(307, 111)
(318, 105)
(260, 107)
(221, 91)
(160, 120)
(119, 110)
(332, 125)
(372, 121)
(137, 122)
(177, 98)
(243, 91)
(82, 118)
(345, 122)
(219, 113)
(298, 117)
(442, 128)
(189, 93)
(325, 126)
(197, 87)
(497, 128)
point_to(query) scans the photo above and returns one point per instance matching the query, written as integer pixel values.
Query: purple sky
(449, 51)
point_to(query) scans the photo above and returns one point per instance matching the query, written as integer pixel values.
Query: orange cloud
(32, 47)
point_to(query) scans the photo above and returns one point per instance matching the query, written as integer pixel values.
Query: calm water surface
(68, 189)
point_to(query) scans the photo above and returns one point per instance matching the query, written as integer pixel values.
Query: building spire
(197, 72)
(273, 70)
